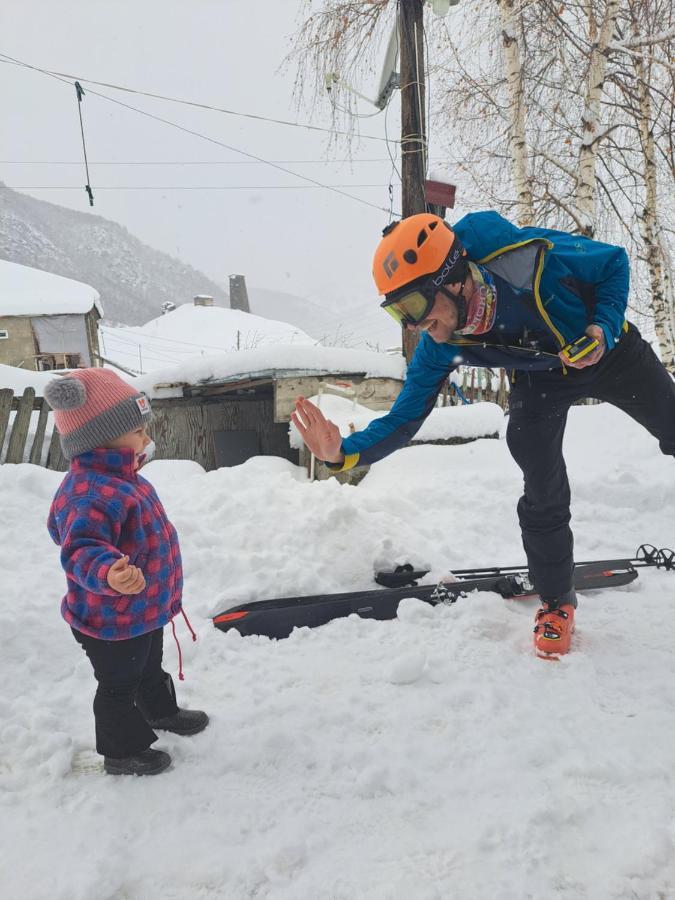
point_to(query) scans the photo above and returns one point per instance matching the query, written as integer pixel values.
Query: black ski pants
(132, 688)
(630, 377)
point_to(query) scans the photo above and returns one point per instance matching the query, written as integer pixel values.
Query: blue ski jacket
(575, 282)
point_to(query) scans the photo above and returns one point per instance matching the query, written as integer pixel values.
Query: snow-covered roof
(191, 330)
(19, 379)
(265, 362)
(276, 360)
(25, 291)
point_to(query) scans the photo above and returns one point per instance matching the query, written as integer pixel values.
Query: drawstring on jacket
(181, 677)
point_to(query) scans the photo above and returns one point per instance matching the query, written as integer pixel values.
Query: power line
(10, 60)
(206, 162)
(203, 136)
(173, 187)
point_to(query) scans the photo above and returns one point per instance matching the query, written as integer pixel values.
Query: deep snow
(428, 757)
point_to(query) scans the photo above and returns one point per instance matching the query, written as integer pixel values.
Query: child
(123, 567)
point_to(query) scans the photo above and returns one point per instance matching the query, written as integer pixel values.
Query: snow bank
(20, 379)
(472, 421)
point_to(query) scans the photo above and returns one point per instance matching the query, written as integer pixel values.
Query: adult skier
(547, 306)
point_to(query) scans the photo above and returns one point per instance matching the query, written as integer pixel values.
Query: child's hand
(125, 579)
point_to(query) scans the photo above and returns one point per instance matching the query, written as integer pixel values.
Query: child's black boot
(185, 721)
(149, 762)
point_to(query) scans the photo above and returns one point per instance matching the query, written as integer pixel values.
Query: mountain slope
(132, 278)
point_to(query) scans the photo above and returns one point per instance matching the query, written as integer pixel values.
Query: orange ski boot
(553, 630)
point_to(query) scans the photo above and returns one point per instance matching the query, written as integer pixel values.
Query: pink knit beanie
(94, 406)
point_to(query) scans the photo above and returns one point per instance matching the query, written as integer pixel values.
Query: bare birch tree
(591, 135)
(590, 121)
(524, 211)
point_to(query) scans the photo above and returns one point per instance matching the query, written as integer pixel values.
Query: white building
(46, 321)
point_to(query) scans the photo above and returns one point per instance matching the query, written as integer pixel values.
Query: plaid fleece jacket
(103, 510)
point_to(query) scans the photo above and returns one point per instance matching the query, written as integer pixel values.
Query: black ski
(645, 555)
(278, 617)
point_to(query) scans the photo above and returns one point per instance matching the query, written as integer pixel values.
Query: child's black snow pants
(630, 377)
(130, 679)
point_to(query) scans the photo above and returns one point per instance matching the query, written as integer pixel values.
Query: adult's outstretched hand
(321, 436)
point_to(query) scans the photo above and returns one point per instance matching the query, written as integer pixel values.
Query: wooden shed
(46, 321)
(223, 421)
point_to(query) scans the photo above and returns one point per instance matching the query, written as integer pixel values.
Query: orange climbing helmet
(422, 246)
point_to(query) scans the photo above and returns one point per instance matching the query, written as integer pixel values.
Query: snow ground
(430, 757)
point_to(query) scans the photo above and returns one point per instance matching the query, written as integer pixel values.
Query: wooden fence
(17, 449)
(480, 385)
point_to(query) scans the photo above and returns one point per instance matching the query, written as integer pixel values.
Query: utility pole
(413, 98)
(413, 124)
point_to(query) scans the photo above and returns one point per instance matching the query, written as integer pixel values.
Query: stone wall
(19, 348)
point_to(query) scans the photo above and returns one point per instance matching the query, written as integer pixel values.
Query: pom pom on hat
(65, 392)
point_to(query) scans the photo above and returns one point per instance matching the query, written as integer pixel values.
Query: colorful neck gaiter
(481, 307)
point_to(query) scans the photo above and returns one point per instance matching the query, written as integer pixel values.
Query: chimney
(203, 300)
(238, 293)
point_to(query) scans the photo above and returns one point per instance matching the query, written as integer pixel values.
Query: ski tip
(228, 617)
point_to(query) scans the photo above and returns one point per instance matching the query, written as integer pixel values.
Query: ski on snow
(276, 618)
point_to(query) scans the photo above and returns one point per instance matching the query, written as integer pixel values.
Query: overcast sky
(308, 241)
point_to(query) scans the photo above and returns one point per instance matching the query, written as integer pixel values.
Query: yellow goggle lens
(411, 309)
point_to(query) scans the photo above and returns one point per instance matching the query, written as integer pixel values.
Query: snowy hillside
(132, 278)
(345, 324)
(190, 331)
(428, 758)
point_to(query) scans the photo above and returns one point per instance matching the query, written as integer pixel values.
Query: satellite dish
(390, 79)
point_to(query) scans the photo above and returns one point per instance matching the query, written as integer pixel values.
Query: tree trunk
(668, 285)
(517, 139)
(589, 143)
(649, 218)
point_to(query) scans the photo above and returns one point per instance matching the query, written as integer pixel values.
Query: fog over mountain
(134, 279)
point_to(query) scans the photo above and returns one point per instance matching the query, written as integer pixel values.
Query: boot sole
(112, 770)
(183, 732)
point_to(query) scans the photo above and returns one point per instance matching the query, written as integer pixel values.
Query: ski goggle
(411, 306)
